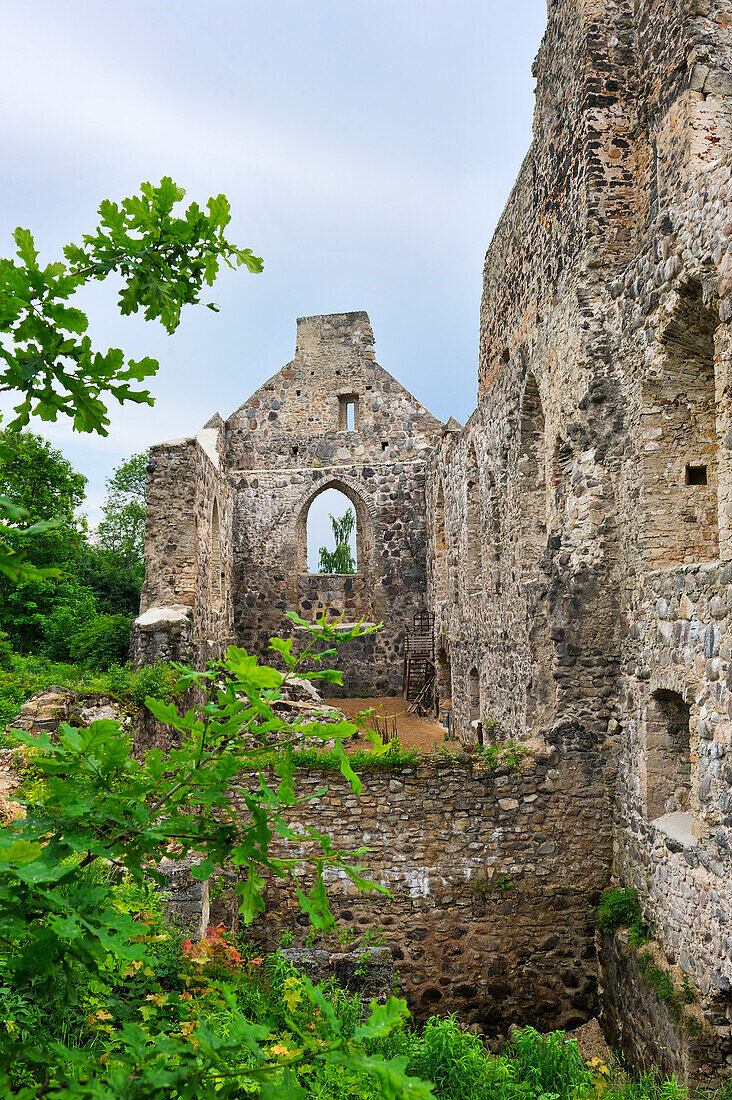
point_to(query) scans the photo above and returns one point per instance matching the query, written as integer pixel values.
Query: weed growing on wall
(621, 908)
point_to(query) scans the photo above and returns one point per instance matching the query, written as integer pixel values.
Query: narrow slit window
(696, 475)
(348, 413)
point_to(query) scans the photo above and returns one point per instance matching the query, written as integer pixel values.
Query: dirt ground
(413, 731)
(591, 1042)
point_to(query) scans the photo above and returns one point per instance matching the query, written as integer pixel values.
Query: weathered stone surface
(226, 547)
(492, 908)
(580, 535)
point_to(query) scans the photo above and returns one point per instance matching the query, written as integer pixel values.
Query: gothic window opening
(348, 412)
(668, 755)
(440, 546)
(473, 525)
(679, 438)
(215, 570)
(332, 534)
(532, 481)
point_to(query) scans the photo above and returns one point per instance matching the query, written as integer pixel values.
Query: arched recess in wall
(439, 560)
(532, 480)
(364, 525)
(474, 695)
(443, 672)
(473, 534)
(667, 754)
(492, 548)
(679, 437)
(215, 558)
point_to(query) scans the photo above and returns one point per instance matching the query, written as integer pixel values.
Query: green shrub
(6, 652)
(549, 1063)
(103, 642)
(619, 908)
(28, 675)
(452, 1058)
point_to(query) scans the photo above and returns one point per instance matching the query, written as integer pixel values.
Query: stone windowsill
(678, 827)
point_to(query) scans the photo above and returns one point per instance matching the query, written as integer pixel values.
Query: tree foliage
(39, 478)
(339, 560)
(113, 562)
(164, 257)
(100, 805)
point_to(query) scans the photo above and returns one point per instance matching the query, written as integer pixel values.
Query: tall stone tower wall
(590, 491)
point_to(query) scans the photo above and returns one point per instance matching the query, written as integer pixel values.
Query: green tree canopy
(113, 564)
(164, 258)
(40, 479)
(339, 560)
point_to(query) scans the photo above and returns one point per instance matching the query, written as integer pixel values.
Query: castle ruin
(576, 542)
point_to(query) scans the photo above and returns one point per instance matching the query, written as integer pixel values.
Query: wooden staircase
(418, 678)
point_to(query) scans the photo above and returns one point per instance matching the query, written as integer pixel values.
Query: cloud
(88, 104)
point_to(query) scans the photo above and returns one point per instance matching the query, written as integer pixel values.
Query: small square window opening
(384, 446)
(696, 475)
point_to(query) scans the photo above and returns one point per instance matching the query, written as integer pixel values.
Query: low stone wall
(639, 1024)
(494, 876)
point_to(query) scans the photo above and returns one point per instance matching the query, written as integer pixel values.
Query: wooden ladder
(419, 663)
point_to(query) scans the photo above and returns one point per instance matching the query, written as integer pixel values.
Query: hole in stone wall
(696, 475)
(680, 438)
(474, 694)
(668, 754)
(384, 446)
(297, 392)
(348, 412)
(340, 544)
(295, 450)
(532, 480)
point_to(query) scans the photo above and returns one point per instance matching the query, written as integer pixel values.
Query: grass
(29, 675)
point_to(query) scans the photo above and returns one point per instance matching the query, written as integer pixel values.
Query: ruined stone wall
(493, 877)
(226, 545)
(288, 443)
(186, 610)
(603, 434)
(646, 1031)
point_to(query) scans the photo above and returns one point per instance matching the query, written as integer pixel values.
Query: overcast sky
(367, 148)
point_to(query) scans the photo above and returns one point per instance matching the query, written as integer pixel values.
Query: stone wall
(596, 468)
(640, 1025)
(288, 443)
(493, 874)
(186, 609)
(226, 547)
